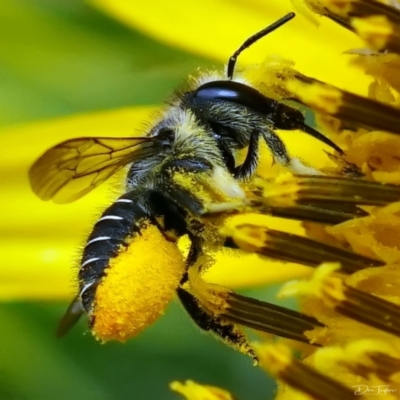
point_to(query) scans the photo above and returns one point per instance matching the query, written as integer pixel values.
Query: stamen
(377, 235)
(378, 32)
(364, 358)
(385, 364)
(323, 199)
(294, 248)
(270, 318)
(370, 310)
(385, 68)
(278, 361)
(326, 213)
(348, 301)
(291, 189)
(348, 107)
(375, 22)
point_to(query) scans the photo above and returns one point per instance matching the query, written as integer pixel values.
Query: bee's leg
(192, 183)
(220, 311)
(281, 155)
(277, 147)
(227, 332)
(249, 166)
(182, 197)
(175, 192)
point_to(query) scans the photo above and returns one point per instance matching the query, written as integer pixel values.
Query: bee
(131, 266)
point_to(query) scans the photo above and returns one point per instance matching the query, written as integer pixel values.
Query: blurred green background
(60, 57)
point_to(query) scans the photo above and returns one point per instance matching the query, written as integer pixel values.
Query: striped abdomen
(118, 222)
(131, 266)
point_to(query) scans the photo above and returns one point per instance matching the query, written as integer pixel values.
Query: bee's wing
(73, 168)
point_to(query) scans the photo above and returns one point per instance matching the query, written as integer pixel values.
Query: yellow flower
(350, 310)
(194, 391)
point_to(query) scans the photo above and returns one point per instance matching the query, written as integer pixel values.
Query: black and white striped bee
(188, 157)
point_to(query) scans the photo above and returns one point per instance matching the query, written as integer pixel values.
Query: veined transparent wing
(73, 168)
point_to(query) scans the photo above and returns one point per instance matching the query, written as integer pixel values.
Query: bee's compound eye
(166, 136)
(137, 287)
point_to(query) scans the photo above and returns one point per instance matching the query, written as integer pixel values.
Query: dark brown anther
(294, 248)
(317, 385)
(270, 318)
(370, 310)
(345, 190)
(325, 213)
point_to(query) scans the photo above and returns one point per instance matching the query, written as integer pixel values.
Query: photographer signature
(371, 390)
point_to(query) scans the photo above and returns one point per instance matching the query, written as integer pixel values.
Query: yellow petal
(216, 28)
(193, 391)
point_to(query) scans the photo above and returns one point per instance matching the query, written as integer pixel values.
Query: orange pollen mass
(139, 283)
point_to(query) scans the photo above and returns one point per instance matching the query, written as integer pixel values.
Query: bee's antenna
(251, 40)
